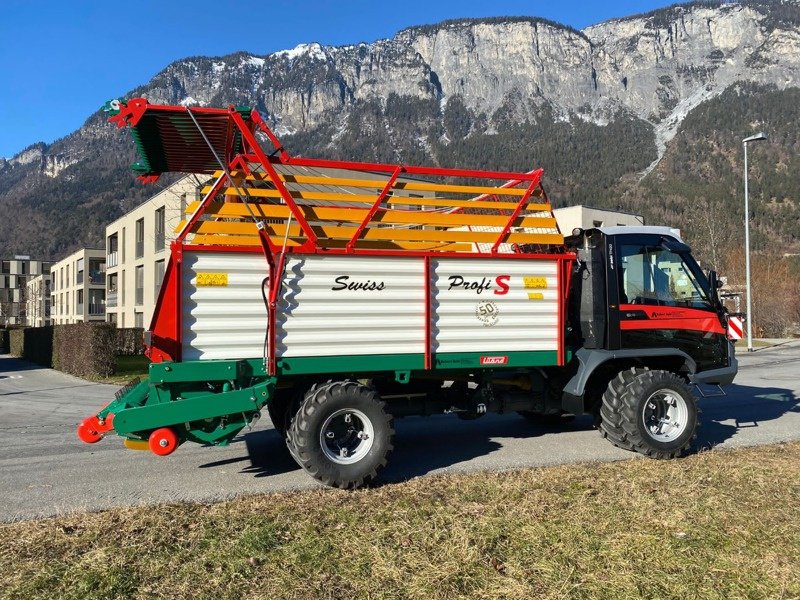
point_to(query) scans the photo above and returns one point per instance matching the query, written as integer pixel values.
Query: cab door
(664, 300)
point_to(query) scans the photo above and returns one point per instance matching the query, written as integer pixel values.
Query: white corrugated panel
(386, 315)
(473, 312)
(224, 321)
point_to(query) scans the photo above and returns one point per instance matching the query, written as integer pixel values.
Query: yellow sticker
(535, 283)
(535, 296)
(212, 280)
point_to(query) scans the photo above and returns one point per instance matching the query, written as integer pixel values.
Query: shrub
(4, 349)
(130, 342)
(32, 343)
(85, 349)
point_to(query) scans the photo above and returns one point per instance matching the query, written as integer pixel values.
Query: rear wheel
(341, 435)
(650, 412)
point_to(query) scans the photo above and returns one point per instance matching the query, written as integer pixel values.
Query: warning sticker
(535, 283)
(535, 296)
(212, 280)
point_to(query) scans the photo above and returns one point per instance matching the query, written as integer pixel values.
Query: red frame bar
(522, 201)
(386, 189)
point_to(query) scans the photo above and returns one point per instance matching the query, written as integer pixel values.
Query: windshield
(655, 276)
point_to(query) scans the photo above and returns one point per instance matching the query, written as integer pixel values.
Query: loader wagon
(339, 296)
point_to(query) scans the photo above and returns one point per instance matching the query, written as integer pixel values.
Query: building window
(23, 268)
(122, 246)
(79, 303)
(139, 285)
(159, 277)
(5, 267)
(112, 250)
(122, 288)
(160, 231)
(597, 223)
(97, 271)
(97, 302)
(138, 319)
(112, 318)
(113, 282)
(79, 272)
(139, 238)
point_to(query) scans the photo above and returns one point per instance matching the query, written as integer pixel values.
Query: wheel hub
(346, 436)
(665, 415)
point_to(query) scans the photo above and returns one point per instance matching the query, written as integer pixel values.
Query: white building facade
(137, 251)
(587, 217)
(78, 287)
(14, 276)
(37, 298)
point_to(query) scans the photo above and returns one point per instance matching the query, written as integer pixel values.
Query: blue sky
(60, 60)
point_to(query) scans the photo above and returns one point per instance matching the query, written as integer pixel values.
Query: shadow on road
(746, 406)
(421, 444)
(10, 364)
(425, 444)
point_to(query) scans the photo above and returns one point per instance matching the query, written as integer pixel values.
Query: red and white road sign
(735, 328)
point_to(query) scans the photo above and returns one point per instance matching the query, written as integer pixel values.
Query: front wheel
(341, 435)
(650, 412)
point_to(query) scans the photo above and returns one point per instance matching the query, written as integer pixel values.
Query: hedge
(130, 341)
(85, 349)
(32, 343)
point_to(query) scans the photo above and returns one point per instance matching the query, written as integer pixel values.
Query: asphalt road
(45, 470)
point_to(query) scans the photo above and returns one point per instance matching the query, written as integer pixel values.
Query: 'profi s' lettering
(343, 283)
(501, 281)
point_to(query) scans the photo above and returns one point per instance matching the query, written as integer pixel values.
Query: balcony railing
(97, 309)
(112, 259)
(111, 299)
(97, 277)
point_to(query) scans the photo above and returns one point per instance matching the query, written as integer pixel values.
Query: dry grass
(722, 524)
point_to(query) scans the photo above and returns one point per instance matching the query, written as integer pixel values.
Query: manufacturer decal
(494, 360)
(487, 313)
(212, 280)
(535, 296)
(535, 283)
(343, 282)
(499, 284)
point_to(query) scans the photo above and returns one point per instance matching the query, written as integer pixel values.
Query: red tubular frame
(168, 316)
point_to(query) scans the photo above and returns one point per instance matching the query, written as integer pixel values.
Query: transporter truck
(339, 296)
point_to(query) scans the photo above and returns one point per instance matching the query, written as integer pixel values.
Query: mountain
(643, 113)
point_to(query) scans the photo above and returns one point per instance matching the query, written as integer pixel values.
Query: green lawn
(723, 524)
(128, 367)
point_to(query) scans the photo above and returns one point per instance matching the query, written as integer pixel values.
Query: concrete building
(586, 217)
(78, 287)
(14, 275)
(137, 250)
(37, 298)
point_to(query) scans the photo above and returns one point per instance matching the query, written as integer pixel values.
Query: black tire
(323, 403)
(632, 397)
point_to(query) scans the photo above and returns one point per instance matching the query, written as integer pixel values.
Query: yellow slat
(249, 240)
(441, 202)
(379, 184)
(385, 234)
(393, 217)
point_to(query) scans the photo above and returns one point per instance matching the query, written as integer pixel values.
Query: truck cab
(640, 300)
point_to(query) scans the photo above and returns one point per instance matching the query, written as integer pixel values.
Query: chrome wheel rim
(665, 415)
(346, 436)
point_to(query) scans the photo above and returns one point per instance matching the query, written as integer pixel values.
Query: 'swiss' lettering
(343, 283)
(501, 281)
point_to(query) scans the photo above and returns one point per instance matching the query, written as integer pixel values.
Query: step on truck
(339, 296)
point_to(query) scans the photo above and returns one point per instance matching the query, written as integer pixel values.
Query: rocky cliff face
(653, 69)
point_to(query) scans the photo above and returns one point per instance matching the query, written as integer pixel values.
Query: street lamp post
(753, 138)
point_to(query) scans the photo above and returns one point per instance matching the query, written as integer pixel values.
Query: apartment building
(14, 275)
(78, 287)
(37, 299)
(137, 250)
(586, 217)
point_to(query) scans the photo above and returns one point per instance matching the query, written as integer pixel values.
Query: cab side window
(655, 276)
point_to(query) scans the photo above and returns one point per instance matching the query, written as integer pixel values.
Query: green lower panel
(414, 362)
